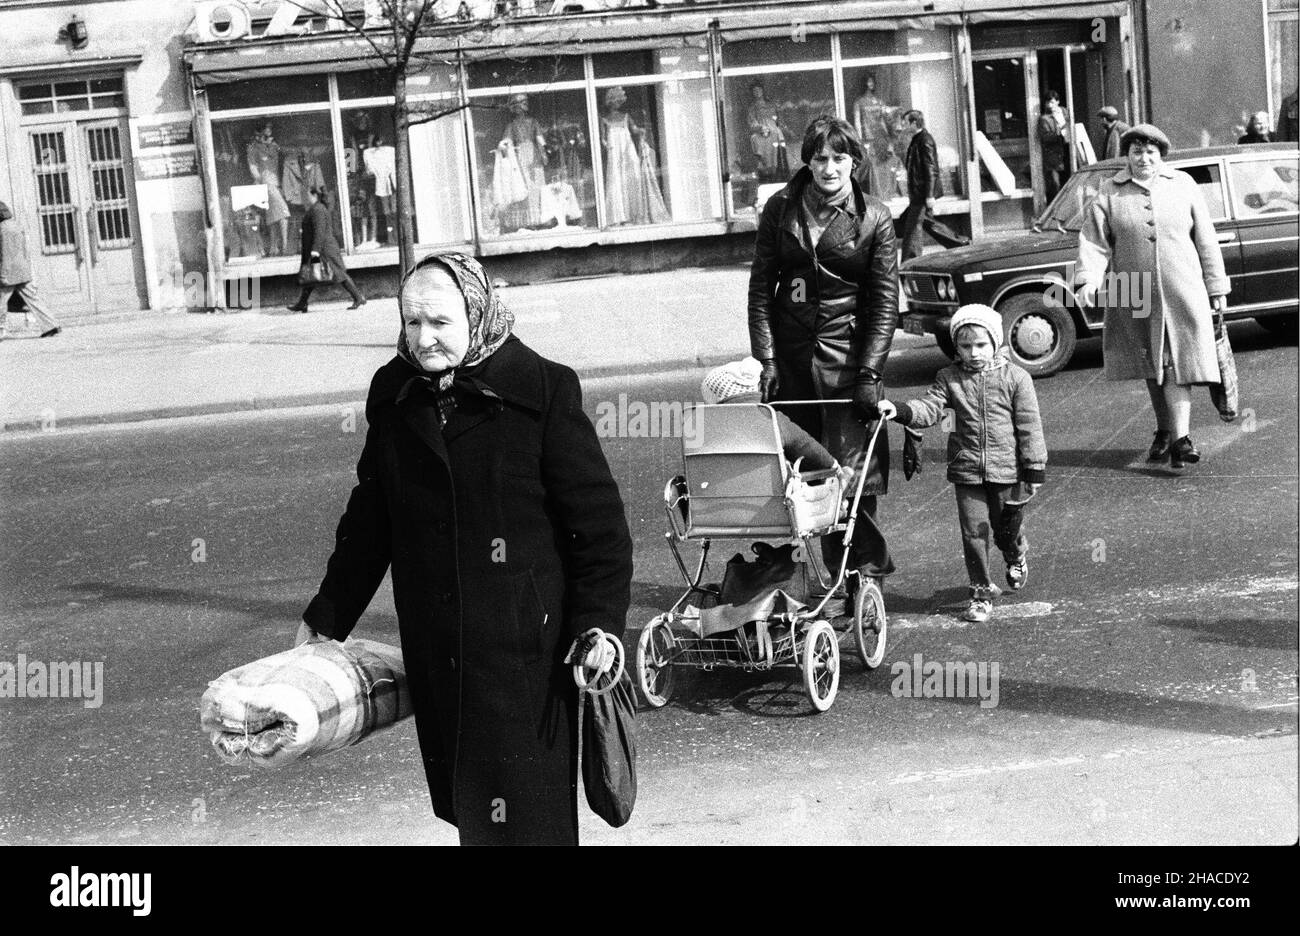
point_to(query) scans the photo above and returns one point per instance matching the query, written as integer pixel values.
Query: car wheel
(1040, 336)
(1284, 326)
(944, 340)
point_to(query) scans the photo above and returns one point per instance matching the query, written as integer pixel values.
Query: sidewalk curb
(12, 427)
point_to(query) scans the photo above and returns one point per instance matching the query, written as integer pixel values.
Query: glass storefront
(526, 150)
(774, 89)
(887, 74)
(265, 165)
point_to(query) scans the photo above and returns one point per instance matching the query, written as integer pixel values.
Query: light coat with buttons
(506, 536)
(996, 434)
(1155, 252)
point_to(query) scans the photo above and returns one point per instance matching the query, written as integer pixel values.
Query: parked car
(1028, 276)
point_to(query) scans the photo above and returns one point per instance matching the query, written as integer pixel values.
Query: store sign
(166, 166)
(180, 133)
(229, 20)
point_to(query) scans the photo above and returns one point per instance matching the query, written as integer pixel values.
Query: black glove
(866, 393)
(769, 383)
(911, 453)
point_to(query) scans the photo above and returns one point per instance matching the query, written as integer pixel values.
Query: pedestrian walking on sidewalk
(483, 485)
(823, 306)
(318, 238)
(923, 185)
(1148, 224)
(16, 274)
(997, 457)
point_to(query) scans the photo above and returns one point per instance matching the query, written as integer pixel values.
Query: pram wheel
(821, 665)
(869, 623)
(654, 669)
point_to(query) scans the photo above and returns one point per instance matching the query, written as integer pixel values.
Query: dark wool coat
(506, 536)
(828, 314)
(318, 235)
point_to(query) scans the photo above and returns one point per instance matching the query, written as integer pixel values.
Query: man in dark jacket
(16, 273)
(923, 186)
(1113, 129)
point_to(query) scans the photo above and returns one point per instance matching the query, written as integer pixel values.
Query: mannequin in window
(1054, 136)
(869, 120)
(360, 137)
(766, 136)
(264, 166)
(625, 191)
(380, 161)
(529, 141)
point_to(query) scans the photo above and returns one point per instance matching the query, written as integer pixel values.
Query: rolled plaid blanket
(310, 700)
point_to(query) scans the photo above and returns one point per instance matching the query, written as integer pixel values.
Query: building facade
(156, 145)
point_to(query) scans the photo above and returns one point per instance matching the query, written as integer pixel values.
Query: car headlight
(941, 287)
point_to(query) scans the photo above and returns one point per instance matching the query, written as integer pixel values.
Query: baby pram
(737, 485)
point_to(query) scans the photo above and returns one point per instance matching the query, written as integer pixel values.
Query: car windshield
(1067, 210)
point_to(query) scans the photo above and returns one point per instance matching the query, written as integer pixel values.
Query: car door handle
(1228, 237)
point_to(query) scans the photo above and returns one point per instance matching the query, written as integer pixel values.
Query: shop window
(370, 159)
(767, 114)
(265, 165)
(269, 92)
(877, 95)
(535, 163)
(1283, 44)
(440, 172)
(1001, 115)
(659, 141)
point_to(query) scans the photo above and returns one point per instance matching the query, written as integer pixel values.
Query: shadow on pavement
(1240, 632)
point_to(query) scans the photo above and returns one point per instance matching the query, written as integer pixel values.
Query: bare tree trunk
(405, 203)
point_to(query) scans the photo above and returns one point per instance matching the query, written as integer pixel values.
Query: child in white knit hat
(996, 453)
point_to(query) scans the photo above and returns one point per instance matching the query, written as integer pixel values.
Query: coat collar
(792, 212)
(511, 376)
(1165, 171)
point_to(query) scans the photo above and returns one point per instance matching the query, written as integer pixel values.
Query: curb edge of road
(15, 427)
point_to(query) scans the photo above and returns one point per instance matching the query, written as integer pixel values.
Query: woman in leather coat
(823, 306)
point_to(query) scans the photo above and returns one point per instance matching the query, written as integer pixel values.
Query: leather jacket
(828, 314)
(922, 168)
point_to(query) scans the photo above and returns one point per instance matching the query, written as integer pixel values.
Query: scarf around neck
(490, 324)
(819, 210)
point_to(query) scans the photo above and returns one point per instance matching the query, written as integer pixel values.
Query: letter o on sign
(221, 20)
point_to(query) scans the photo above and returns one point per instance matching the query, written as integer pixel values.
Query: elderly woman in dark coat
(318, 238)
(1148, 252)
(483, 485)
(823, 306)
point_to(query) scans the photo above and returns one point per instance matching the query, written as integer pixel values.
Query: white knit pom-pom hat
(731, 380)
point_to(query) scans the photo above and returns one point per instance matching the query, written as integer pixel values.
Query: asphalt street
(1147, 686)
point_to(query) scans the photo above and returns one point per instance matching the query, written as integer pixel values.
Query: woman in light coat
(1149, 254)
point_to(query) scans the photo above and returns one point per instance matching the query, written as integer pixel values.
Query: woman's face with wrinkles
(435, 319)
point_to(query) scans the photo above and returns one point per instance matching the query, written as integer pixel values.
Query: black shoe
(1159, 446)
(1183, 452)
(296, 308)
(358, 304)
(52, 332)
